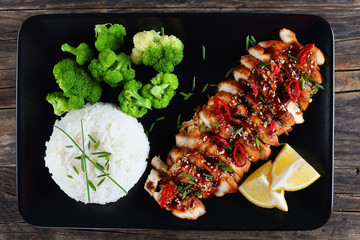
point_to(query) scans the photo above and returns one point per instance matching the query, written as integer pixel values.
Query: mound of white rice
(119, 134)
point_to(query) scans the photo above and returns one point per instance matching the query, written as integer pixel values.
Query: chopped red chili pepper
(167, 193)
(219, 140)
(294, 96)
(276, 70)
(272, 127)
(238, 146)
(228, 114)
(254, 89)
(304, 52)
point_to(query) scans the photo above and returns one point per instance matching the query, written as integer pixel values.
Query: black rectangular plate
(42, 203)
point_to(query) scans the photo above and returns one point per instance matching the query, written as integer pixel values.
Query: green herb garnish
(188, 175)
(257, 142)
(204, 88)
(191, 182)
(202, 127)
(75, 169)
(319, 86)
(215, 124)
(220, 164)
(101, 181)
(203, 52)
(197, 193)
(185, 95)
(293, 58)
(193, 83)
(263, 64)
(231, 70)
(227, 169)
(238, 131)
(207, 175)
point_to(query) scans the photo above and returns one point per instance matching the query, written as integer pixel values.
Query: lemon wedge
(256, 188)
(291, 172)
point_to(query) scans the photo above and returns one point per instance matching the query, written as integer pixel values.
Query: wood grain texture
(344, 19)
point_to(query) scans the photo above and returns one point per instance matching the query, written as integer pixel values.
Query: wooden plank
(8, 137)
(347, 81)
(7, 97)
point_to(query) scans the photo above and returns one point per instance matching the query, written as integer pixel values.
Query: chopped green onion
(191, 182)
(215, 124)
(302, 81)
(220, 164)
(230, 71)
(151, 127)
(100, 153)
(91, 138)
(213, 85)
(97, 144)
(78, 157)
(227, 169)
(185, 95)
(257, 142)
(319, 86)
(293, 58)
(188, 175)
(99, 166)
(179, 188)
(202, 127)
(101, 181)
(252, 40)
(261, 98)
(228, 147)
(197, 193)
(183, 195)
(247, 42)
(204, 88)
(187, 187)
(314, 90)
(103, 175)
(92, 185)
(89, 145)
(69, 146)
(306, 76)
(203, 52)
(263, 64)
(178, 121)
(309, 84)
(238, 131)
(69, 176)
(160, 118)
(207, 175)
(75, 169)
(193, 83)
(162, 31)
(275, 133)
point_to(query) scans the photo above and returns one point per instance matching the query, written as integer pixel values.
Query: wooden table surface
(344, 19)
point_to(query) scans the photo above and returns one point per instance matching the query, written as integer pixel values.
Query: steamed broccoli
(76, 83)
(131, 102)
(59, 102)
(109, 36)
(112, 68)
(161, 52)
(84, 53)
(161, 89)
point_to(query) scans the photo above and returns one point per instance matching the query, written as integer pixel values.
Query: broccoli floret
(76, 83)
(161, 89)
(115, 68)
(84, 53)
(161, 52)
(131, 102)
(109, 36)
(97, 70)
(59, 102)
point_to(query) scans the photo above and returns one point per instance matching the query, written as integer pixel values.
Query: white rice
(121, 135)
